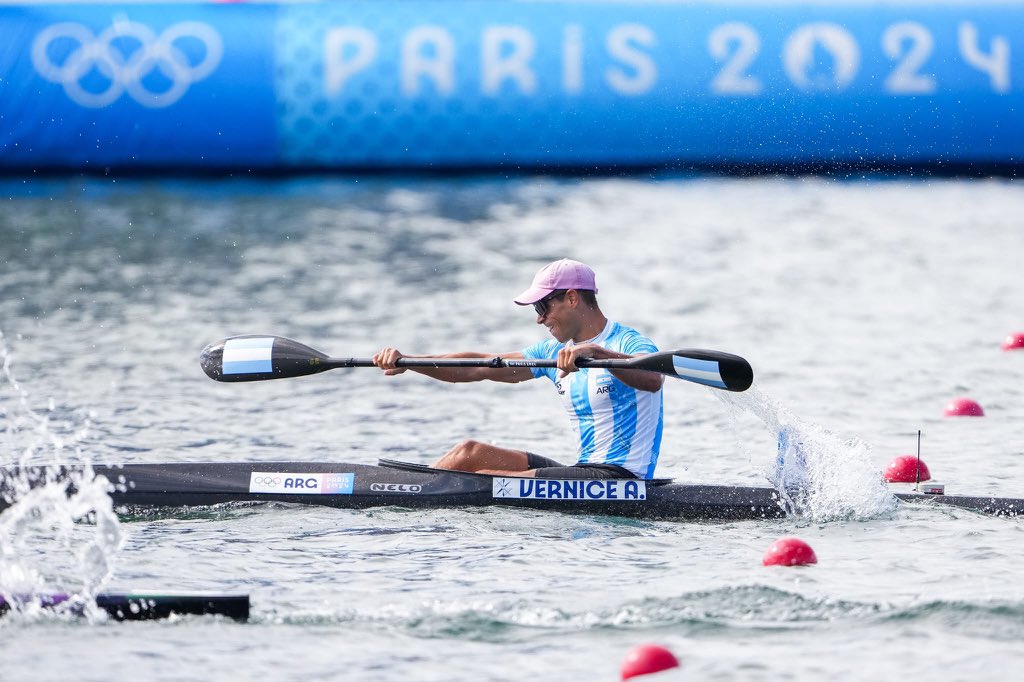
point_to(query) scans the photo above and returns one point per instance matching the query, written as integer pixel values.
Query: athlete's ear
(572, 297)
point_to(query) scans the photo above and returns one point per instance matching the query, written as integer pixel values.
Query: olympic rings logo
(266, 480)
(125, 70)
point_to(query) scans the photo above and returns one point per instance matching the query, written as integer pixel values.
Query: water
(863, 307)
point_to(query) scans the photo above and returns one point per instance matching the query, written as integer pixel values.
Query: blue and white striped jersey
(614, 423)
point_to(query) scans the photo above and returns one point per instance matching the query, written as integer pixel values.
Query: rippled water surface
(863, 306)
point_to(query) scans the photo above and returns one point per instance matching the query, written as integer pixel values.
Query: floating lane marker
(701, 371)
(285, 483)
(574, 489)
(248, 356)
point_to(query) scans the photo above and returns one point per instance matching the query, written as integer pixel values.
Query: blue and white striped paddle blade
(713, 368)
(707, 372)
(252, 355)
(258, 358)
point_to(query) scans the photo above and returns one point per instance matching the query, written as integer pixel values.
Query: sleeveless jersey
(614, 423)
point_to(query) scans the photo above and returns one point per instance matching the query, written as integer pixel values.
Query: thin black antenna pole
(918, 484)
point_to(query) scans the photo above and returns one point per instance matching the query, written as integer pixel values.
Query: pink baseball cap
(562, 274)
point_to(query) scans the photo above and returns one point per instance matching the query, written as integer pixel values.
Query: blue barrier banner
(138, 86)
(455, 82)
(363, 84)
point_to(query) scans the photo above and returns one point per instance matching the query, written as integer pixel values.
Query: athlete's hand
(387, 359)
(566, 359)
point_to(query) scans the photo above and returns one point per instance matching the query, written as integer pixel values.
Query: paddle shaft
(493, 363)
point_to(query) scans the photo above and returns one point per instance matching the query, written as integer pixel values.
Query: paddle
(258, 358)
(149, 606)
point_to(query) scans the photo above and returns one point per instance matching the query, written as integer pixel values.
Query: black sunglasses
(543, 304)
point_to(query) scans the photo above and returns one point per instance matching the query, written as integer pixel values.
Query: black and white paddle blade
(257, 358)
(143, 606)
(155, 607)
(708, 367)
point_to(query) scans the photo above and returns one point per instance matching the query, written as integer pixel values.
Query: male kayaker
(616, 414)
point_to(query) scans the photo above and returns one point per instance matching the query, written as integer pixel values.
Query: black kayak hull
(362, 486)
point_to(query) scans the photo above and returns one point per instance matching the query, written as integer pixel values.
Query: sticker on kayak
(705, 372)
(578, 489)
(248, 356)
(396, 487)
(283, 483)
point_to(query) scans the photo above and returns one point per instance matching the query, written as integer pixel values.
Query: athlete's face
(557, 312)
(541, 306)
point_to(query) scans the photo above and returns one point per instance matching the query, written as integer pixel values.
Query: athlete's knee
(462, 455)
(469, 451)
(468, 445)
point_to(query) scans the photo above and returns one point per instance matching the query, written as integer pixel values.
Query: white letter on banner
(337, 68)
(996, 64)
(515, 65)
(800, 54)
(439, 67)
(619, 47)
(733, 79)
(905, 79)
(572, 59)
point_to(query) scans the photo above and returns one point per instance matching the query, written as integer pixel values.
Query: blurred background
(827, 189)
(482, 84)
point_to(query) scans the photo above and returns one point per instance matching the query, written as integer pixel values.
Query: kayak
(401, 484)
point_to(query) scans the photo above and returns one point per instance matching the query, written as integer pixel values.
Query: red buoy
(963, 407)
(646, 659)
(1014, 341)
(789, 552)
(904, 469)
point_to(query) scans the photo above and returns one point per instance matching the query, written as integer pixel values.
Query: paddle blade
(154, 607)
(257, 358)
(708, 367)
(143, 606)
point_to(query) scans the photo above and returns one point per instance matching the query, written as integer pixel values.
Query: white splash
(44, 546)
(820, 475)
